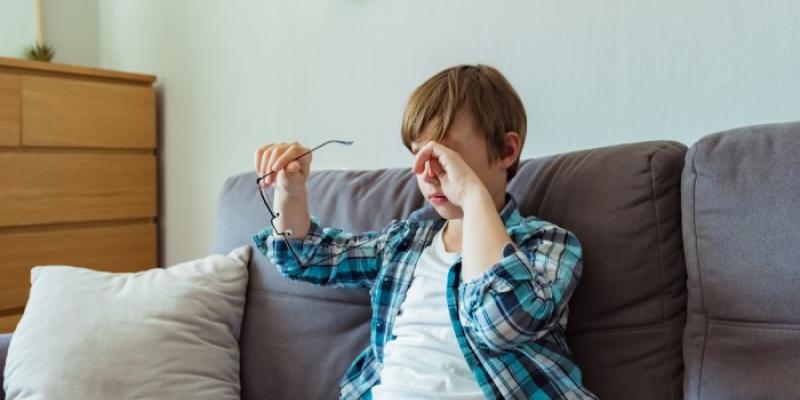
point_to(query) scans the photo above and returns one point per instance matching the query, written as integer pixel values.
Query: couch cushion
(741, 212)
(163, 333)
(626, 318)
(627, 315)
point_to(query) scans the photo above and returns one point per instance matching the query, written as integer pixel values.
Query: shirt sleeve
(322, 250)
(524, 295)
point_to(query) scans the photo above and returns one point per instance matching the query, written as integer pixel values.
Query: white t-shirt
(425, 361)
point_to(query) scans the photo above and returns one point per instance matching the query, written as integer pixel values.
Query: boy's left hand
(457, 179)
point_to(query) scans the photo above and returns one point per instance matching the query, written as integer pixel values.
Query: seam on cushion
(661, 268)
(762, 326)
(692, 157)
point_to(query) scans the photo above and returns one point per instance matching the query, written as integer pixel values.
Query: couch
(690, 268)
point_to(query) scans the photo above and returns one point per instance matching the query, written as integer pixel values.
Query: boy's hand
(291, 176)
(457, 179)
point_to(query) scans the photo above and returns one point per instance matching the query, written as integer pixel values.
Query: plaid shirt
(509, 321)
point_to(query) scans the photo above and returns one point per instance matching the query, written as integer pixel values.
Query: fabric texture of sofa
(689, 268)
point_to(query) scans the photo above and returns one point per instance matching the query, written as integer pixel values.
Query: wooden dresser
(78, 173)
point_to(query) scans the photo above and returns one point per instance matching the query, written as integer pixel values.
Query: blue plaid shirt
(509, 321)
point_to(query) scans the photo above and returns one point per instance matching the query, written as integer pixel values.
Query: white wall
(69, 26)
(17, 27)
(237, 74)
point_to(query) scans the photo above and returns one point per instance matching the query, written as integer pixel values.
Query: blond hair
(480, 90)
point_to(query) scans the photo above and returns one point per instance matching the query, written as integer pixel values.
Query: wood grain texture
(9, 322)
(51, 187)
(78, 173)
(10, 108)
(123, 247)
(63, 112)
(31, 67)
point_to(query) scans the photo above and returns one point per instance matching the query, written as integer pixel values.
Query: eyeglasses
(288, 232)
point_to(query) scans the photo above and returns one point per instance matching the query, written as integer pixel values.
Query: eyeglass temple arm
(344, 142)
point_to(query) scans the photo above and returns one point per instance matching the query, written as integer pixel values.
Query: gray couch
(689, 275)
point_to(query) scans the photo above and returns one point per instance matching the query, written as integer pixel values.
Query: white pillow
(165, 333)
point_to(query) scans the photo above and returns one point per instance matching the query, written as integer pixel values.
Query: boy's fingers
(269, 158)
(422, 156)
(262, 166)
(273, 157)
(291, 152)
(259, 154)
(274, 154)
(430, 151)
(436, 168)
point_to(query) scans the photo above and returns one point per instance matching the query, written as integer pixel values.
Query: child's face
(464, 138)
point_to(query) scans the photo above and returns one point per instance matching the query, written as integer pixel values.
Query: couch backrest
(741, 225)
(626, 318)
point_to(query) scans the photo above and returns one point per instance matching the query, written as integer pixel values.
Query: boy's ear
(513, 146)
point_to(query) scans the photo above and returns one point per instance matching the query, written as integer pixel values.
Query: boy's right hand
(291, 176)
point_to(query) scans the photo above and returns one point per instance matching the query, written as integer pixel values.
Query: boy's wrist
(477, 196)
(295, 195)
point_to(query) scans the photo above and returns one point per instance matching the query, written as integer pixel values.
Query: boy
(469, 299)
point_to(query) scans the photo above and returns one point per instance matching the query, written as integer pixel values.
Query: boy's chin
(449, 211)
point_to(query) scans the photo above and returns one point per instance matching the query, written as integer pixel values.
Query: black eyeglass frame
(288, 232)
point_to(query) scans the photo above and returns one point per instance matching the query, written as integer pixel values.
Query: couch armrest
(5, 340)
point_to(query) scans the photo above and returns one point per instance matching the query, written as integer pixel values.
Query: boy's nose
(428, 174)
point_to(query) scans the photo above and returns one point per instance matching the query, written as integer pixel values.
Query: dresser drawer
(10, 106)
(78, 173)
(118, 247)
(9, 322)
(58, 112)
(45, 187)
